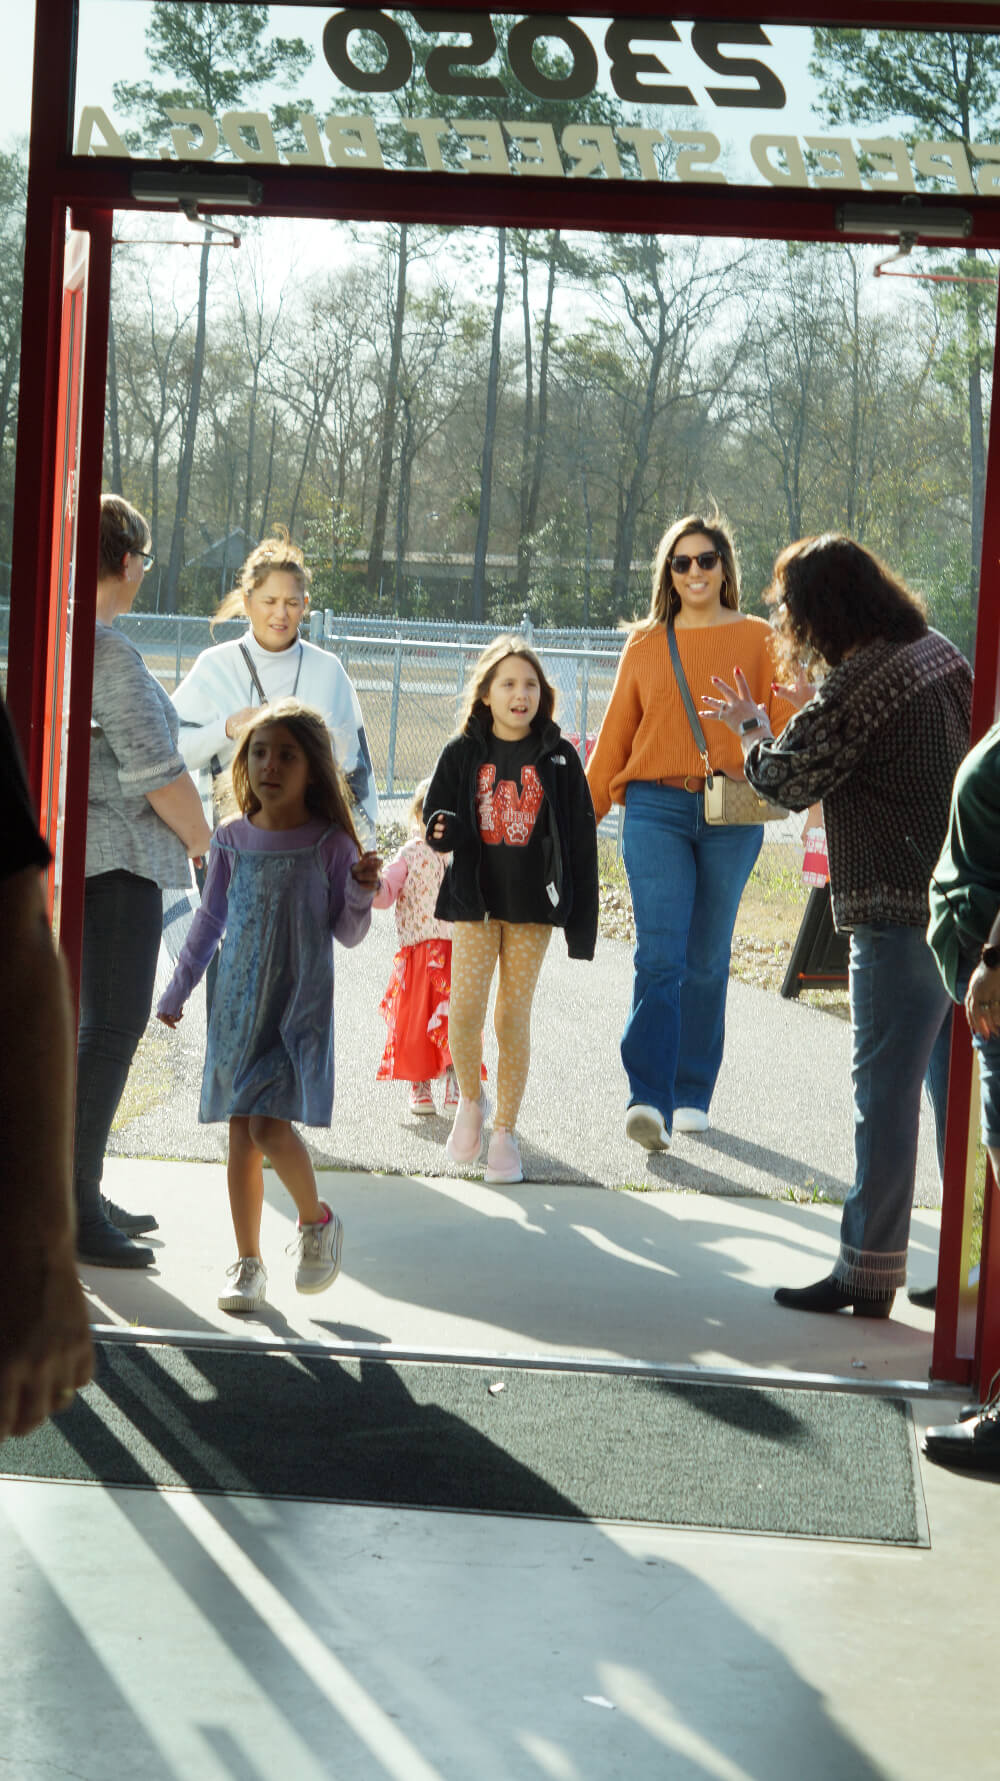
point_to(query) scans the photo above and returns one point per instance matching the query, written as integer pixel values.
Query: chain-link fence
(410, 685)
(409, 677)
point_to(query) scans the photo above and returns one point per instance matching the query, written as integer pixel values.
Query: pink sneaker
(503, 1159)
(421, 1099)
(465, 1140)
(451, 1091)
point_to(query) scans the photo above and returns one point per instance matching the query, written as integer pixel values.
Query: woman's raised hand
(799, 693)
(367, 871)
(734, 705)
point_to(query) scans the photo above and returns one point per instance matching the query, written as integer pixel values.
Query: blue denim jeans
(122, 922)
(901, 1020)
(686, 877)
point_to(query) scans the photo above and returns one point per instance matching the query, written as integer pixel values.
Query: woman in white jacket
(228, 681)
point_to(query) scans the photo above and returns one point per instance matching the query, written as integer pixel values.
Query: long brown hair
(830, 595)
(481, 679)
(665, 602)
(274, 553)
(326, 791)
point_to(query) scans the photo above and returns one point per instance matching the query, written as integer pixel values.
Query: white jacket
(219, 683)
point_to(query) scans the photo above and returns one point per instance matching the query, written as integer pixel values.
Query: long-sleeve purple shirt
(349, 903)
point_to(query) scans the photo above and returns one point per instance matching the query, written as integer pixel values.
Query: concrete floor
(187, 1638)
(782, 1112)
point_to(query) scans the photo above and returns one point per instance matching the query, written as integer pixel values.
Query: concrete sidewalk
(200, 1638)
(189, 1637)
(782, 1118)
(681, 1281)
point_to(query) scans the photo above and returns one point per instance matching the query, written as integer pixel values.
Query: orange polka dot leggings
(476, 948)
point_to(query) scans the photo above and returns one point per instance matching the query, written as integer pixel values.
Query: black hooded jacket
(569, 840)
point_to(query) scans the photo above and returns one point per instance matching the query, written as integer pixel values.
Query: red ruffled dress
(415, 1004)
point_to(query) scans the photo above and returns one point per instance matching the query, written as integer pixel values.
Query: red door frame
(93, 189)
(71, 345)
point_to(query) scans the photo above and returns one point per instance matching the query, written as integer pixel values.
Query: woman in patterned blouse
(880, 742)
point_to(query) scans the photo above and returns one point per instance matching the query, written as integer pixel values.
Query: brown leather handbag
(729, 801)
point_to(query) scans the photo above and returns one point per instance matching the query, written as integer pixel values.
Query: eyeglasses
(148, 559)
(706, 559)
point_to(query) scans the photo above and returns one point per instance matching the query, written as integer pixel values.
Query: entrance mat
(501, 1440)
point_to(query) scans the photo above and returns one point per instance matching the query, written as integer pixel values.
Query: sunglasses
(706, 559)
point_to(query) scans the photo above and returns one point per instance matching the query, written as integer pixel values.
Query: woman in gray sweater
(144, 825)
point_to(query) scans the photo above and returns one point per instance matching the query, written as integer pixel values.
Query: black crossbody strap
(692, 715)
(254, 676)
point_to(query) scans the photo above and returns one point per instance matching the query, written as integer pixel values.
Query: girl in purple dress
(282, 878)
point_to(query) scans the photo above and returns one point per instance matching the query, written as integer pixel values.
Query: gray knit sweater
(880, 744)
(133, 750)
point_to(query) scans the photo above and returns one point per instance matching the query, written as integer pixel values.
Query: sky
(314, 248)
(123, 23)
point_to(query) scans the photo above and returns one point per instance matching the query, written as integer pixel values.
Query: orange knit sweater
(646, 734)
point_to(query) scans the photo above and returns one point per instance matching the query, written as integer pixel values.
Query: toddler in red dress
(415, 1004)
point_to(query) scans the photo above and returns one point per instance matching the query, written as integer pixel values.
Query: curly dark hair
(830, 595)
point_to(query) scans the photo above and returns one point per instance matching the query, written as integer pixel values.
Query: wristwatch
(750, 724)
(990, 957)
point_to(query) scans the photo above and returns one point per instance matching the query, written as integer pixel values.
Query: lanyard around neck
(255, 677)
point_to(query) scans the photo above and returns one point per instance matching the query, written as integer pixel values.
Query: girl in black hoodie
(509, 801)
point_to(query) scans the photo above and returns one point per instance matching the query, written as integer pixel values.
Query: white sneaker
(451, 1091)
(249, 1288)
(421, 1099)
(503, 1159)
(690, 1119)
(644, 1125)
(319, 1249)
(465, 1140)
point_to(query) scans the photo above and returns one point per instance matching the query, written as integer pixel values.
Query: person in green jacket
(964, 936)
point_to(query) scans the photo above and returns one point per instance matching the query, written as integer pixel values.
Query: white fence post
(397, 671)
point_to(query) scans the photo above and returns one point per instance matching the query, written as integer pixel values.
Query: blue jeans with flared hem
(901, 1022)
(686, 877)
(122, 923)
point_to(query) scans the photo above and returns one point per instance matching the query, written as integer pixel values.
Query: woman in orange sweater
(686, 876)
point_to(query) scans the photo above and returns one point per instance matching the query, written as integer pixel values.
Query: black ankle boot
(134, 1224)
(98, 1242)
(829, 1295)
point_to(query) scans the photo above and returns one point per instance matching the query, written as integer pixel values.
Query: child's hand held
(367, 871)
(170, 1020)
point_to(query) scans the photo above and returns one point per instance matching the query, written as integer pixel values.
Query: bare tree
(219, 56)
(259, 320)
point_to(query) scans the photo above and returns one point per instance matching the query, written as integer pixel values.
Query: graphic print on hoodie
(509, 799)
